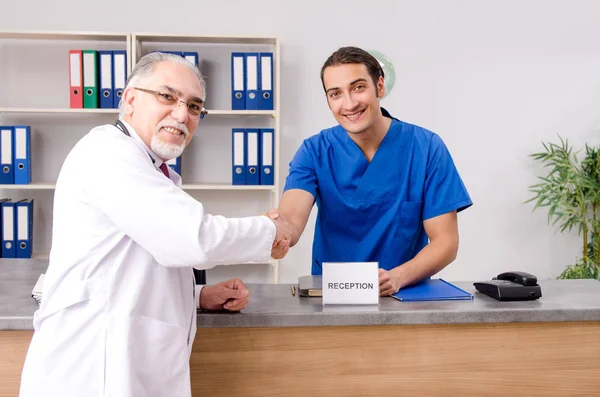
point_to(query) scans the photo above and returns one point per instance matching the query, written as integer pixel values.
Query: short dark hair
(348, 55)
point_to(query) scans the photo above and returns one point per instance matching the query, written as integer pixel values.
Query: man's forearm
(430, 260)
(296, 233)
(295, 207)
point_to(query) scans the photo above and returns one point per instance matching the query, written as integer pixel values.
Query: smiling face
(162, 122)
(352, 96)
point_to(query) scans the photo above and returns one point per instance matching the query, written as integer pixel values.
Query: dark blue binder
(238, 156)
(432, 290)
(22, 154)
(238, 81)
(265, 83)
(252, 156)
(107, 79)
(119, 76)
(23, 228)
(267, 156)
(191, 56)
(175, 165)
(252, 80)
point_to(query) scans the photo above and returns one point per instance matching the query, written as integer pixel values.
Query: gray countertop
(272, 305)
(17, 279)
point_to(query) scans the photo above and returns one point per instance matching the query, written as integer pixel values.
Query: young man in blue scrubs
(383, 187)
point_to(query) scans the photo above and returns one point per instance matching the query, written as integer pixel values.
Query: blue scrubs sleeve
(302, 174)
(444, 189)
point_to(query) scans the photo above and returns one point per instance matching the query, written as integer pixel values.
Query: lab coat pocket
(61, 298)
(159, 357)
(410, 219)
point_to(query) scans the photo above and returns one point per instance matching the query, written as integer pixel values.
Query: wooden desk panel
(546, 359)
(535, 359)
(13, 349)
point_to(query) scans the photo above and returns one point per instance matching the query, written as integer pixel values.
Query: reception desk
(284, 345)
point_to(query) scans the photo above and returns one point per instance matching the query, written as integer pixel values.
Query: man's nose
(180, 113)
(350, 102)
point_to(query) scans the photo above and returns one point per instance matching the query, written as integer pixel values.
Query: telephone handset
(518, 277)
(511, 286)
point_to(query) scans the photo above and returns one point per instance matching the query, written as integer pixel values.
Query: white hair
(145, 67)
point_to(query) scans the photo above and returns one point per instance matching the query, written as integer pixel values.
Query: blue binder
(175, 165)
(24, 228)
(8, 229)
(432, 290)
(238, 156)
(7, 176)
(265, 88)
(180, 53)
(192, 57)
(22, 154)
(252, 156)
(252, 79)
(267, 156)
(107, 80)
(119, 76)
(238, 81)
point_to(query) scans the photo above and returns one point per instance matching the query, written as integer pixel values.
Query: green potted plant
(571, 193)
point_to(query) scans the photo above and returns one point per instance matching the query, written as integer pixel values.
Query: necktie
(165, 169)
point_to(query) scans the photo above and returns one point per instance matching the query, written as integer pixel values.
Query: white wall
(493, 79)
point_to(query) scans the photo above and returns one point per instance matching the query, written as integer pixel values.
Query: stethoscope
(119, 124)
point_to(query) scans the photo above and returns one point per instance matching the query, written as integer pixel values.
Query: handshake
(283, 237)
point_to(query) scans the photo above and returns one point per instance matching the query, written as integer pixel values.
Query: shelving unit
(36, 93)
(116, 111)
(214, 62)
(31, 186)
(188, 186)
(59, 111)
(69, 36)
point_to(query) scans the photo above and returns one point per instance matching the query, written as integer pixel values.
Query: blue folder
(432, 290)
(106, 78)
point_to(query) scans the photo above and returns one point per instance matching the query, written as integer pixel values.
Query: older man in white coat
(118, 316)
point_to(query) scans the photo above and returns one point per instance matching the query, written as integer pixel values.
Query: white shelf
(188, 186)
(31, 186)
(270, 113)
(205, 186)
(174, 38)
(272, 262)
(46, 256)
(59, 110)
(116, 37)
(43, 35)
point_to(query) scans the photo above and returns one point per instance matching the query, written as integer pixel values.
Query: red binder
(76, 78)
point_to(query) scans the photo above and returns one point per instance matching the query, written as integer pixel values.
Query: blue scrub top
(374, 212)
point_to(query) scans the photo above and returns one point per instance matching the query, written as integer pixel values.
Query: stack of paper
(36, 293)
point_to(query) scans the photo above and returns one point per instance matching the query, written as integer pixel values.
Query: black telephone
(511, 286)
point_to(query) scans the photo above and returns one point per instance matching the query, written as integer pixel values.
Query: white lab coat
(118, 315)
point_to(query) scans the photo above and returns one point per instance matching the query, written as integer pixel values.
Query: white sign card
(351, 283)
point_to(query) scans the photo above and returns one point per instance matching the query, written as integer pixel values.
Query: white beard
(164, 150)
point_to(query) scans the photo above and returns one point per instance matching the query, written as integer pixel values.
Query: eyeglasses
(195, 108)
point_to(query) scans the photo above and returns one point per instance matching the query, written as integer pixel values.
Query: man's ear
(380, 87)
(128, 100)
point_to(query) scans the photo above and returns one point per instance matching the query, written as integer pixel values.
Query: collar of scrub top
(387, 114)
(130, 132)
